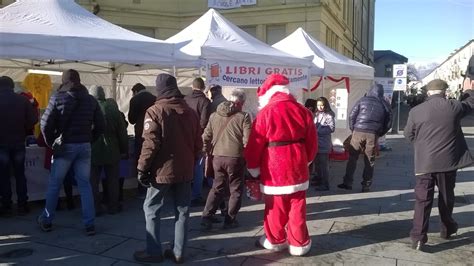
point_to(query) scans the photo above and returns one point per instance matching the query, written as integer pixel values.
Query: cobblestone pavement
(348, 228)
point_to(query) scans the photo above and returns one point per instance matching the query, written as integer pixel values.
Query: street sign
(399, 71)
(400, 84)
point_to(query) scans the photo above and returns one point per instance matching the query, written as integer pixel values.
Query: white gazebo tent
(60, 34)
(212, 37)
(330, 70)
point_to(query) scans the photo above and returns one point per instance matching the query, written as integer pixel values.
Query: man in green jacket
(107, 152)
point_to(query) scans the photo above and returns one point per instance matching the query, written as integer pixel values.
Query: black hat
(167, 87)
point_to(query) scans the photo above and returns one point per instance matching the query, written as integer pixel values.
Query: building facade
(384, 61)
(347, 26)
(453, 68)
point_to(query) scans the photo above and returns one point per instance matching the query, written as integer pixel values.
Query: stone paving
(347, 228)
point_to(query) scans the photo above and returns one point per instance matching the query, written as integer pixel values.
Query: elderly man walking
(434, 128)
(224, 138)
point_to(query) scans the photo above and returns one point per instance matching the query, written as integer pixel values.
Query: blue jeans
(13, 156)
(77, 156)
(154, 201)
(198, 178)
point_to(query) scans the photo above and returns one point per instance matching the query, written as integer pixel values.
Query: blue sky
(423, 30)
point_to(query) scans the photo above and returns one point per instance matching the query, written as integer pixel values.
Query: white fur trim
(283, 190)
(267, 245)
(265, 98)
(255, 172)
(299, 251)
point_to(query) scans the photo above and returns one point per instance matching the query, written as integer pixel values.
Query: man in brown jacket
(198, 101)
(225, 137)
(171, 143)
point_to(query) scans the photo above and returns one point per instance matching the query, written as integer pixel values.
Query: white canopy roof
(214, 37)
(61, 29)
(327, 62)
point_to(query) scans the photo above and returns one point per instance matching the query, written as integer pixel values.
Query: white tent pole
(322, 85)
(174, 71)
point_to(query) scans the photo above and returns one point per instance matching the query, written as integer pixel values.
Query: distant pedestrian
(370, 118)
(140, 102)
(216, 98)
(72, 121)
(224, 138)
(281, 144)
(311, 105)
(198, 101)
(172, 142)
(18, 118)
(325, 126)
(434, 128)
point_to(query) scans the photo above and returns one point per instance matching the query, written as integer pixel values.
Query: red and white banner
(245, 75)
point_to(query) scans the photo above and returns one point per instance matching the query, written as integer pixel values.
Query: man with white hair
(282, 143)
(434, 128)
(224, 138)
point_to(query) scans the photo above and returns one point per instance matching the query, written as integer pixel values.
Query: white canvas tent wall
(60, 34)
(327, 62)
(214, 37)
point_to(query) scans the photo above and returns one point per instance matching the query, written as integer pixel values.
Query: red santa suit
(281, 145)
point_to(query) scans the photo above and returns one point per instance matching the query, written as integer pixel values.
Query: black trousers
(13, 157)
(424, 193)
(112, 179)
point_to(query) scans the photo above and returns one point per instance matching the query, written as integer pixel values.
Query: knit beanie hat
(167, 87)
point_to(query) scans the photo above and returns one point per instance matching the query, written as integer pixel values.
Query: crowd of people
(177, 137)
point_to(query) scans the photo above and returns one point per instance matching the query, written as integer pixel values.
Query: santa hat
(273, 83)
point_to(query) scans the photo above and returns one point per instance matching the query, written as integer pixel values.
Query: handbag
(58, 144)
(208, 168)
(252, 189)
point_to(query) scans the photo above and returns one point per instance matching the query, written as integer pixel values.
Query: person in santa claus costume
(281, 145)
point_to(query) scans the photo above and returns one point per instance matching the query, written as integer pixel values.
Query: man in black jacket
(76, 116)
(370, 118)
(198, 101)
(18, 117)
(434, 128)
(140, 102)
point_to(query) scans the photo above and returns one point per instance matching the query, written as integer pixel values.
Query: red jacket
(283, 169)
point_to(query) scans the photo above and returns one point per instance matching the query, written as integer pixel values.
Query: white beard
(265, 99)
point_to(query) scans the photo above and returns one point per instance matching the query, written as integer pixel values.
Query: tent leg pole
(114, 84)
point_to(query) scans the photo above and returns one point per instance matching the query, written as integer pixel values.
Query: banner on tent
(226, 73)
